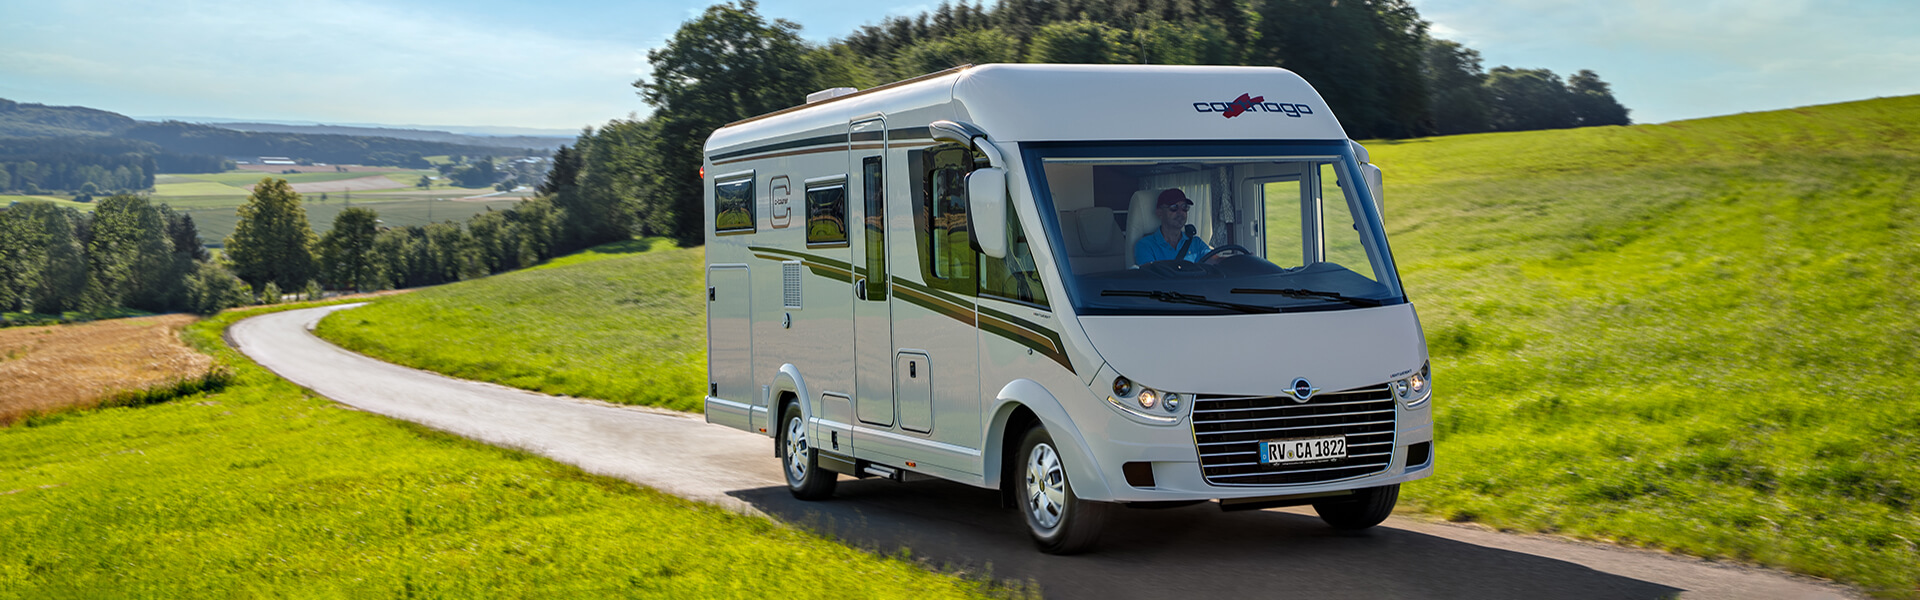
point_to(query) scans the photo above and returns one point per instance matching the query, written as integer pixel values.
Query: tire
(1060, 522)
(801, 461)
(1365, 508)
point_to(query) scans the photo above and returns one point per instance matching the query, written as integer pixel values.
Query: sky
(564, 64)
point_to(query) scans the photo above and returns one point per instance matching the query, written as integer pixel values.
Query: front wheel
(801, 461)
(1365, 508)
(1060, 522)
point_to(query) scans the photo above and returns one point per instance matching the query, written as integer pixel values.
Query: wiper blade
(1179, 298)
(1309, 294)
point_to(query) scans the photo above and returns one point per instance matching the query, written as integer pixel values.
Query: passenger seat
(1094, 242)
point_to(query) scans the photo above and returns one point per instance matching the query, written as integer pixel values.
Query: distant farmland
(213, 199)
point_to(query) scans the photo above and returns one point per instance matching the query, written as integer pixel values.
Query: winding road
(1189, 552)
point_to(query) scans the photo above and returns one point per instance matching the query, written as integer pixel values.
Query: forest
(89, 165)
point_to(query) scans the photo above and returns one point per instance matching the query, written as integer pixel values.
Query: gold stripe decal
(1020, 331)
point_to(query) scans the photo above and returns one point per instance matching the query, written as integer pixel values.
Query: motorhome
(1087, 286)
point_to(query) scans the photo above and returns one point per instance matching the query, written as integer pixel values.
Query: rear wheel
(1060, 522)
(801, 461)
(1365, 508)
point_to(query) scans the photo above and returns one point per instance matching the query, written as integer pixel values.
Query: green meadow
(260, 489)
(623, 322)
(1698, 336)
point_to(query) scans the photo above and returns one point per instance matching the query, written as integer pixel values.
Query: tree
(727, 65)
(1592, 101)
(1528, 99)
(1364, 57)
(129, 256)
(211, 288)
(1458, 87)
(346, 252)
(1080, 42)
(424, 183)
(43, 264)
(565, 173)
(272, 242)
(973, 47)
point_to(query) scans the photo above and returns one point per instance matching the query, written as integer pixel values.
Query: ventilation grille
(1228, 431)
(790, 284)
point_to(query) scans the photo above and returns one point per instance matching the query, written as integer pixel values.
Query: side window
(1281, 226)
(733, 204)
(947, 256)
(873, 190)
(1014, 277)
(827, 212)
(1338, 225)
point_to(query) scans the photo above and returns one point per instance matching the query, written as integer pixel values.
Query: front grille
(1228, 431)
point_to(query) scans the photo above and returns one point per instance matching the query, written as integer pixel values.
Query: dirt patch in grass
(49, 368)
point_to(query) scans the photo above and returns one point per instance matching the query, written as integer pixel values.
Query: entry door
(872, 319)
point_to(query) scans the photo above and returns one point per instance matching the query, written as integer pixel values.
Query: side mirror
(987, 206)
(1375, 185)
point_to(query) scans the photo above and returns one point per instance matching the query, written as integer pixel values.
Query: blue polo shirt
(1154, 247)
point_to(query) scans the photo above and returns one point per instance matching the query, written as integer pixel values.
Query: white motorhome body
(926, 272)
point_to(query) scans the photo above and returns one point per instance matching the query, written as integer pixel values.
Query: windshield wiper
(1310, 294)
(1179, 298)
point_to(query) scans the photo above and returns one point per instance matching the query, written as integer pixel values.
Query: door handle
(860, 288)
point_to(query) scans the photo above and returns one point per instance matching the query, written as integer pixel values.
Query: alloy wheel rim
(796, 450)
(1046, 487)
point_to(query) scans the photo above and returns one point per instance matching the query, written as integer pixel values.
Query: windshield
(1212, 228)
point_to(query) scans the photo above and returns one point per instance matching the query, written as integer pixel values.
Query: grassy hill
(1697, 336)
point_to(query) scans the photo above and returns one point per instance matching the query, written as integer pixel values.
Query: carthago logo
(1248, 103)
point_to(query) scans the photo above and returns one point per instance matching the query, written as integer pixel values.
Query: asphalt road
(1196, 551)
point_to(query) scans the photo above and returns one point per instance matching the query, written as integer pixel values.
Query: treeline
(273, 248)
(1372, 60)
(326, 148)
(92, 165)
(127, 253)
(130, 253)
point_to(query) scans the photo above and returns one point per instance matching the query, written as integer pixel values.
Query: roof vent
(829, 94)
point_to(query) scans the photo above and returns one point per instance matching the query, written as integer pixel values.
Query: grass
(623, 323)
(1697, 336)
(260, 489)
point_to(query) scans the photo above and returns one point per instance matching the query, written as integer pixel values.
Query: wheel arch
(787, 387)
(1019, 405)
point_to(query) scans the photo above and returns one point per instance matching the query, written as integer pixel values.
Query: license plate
(1303, 450)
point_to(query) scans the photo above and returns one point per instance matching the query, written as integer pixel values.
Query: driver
(1165, 244)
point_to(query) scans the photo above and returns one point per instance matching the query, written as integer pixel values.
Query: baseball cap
(1173, 196)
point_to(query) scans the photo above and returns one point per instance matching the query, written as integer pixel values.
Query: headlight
(1148, 398)
(1172, 402)
(1415, 390)
(1122, 387)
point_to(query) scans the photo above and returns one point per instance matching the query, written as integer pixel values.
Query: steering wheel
(1232, 247)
